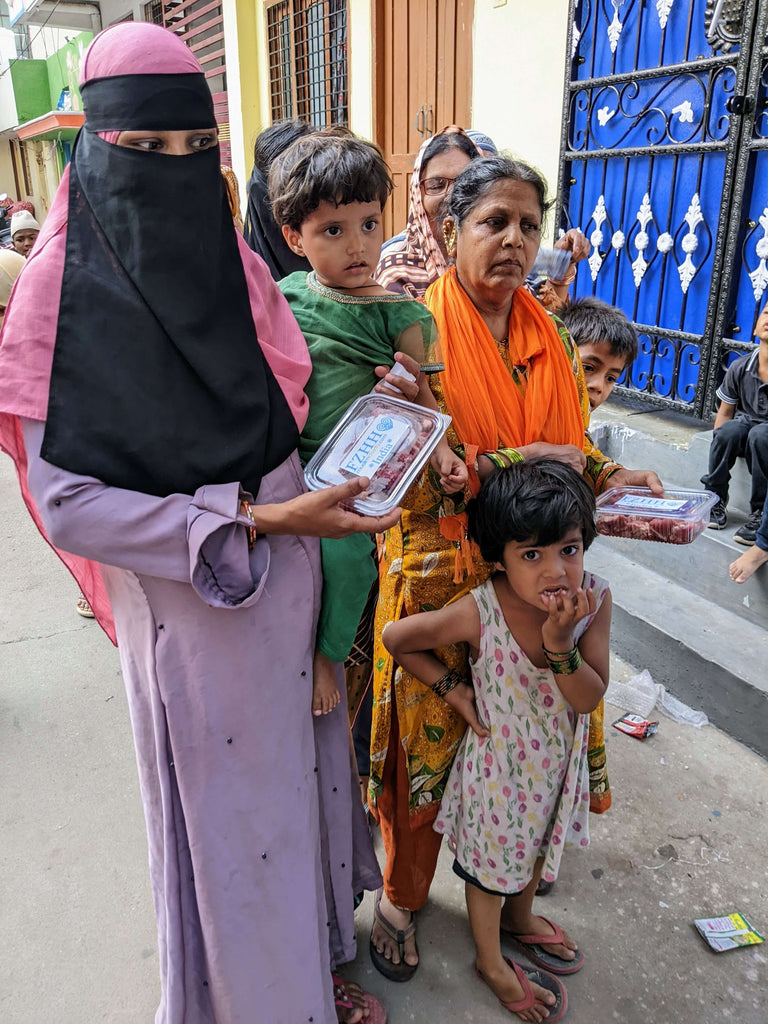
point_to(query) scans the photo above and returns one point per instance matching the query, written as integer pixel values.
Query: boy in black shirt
(741, 428)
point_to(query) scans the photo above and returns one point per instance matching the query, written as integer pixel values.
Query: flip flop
(533, 947)
(393, 972)
(528, 976)
(374, 1010)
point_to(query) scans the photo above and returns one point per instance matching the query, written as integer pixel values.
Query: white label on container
(638, 501)
(375, 446)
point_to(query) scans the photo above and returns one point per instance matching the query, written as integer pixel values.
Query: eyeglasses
(437, 186)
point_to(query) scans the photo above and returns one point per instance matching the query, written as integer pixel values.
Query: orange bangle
(247, 511)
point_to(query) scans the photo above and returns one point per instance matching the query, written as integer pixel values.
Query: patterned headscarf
(412, 265)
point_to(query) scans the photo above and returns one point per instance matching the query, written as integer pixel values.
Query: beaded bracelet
(247, 511)
(448, 682)
(563, 663)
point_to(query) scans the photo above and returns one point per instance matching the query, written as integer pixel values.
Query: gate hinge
(740, 105)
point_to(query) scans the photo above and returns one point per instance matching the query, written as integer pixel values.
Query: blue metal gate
(664, 164)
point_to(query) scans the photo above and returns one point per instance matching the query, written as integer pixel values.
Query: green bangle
(512, 454)
(496, 459)
(448, 682)
(563, 663)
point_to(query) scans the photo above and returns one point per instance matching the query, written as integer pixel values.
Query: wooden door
(422, 81)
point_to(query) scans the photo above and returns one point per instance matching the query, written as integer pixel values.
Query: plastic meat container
(386, 439)
(677, 517)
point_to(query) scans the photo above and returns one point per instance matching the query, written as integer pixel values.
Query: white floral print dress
(524, 790)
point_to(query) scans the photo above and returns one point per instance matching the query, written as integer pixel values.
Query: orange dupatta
(489, 410)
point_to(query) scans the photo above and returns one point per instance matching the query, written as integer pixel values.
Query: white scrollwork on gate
(664, 242)
(618, 240)
(759, 276)
(663, 7)
(685, 111)
(599, 216)
(690, 243)
(615, 27)
(644, 215)
(575, 41)
(604, 115)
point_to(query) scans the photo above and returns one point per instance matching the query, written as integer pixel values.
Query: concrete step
(702, 568)
(708, 656)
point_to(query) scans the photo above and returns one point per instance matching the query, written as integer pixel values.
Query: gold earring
(449, 238)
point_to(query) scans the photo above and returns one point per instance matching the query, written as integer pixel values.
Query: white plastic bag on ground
(640, 695)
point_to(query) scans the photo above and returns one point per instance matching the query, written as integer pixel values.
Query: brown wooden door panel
(422, 81)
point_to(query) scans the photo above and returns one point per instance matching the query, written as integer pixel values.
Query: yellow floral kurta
(417, 575)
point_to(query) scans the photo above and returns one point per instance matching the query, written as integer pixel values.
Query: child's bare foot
(350, 1001)
(502, 980)
(325, 692)
(745, 564)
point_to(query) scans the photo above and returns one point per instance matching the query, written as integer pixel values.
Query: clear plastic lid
(675, 517)
(386, 439)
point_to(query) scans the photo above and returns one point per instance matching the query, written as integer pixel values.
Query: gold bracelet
(567, 281)
(247, 511)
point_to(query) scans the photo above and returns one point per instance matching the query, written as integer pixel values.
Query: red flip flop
(528, 976)
(374, 1010)
(533, 947)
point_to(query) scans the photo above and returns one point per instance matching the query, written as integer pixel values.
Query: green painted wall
(30, 87)
(64, 70)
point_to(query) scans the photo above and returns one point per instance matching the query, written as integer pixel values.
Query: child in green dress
(328, 191)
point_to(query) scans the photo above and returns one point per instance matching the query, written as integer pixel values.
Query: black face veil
(158, 381)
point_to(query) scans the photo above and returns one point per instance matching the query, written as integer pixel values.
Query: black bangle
(563, 663)
(448, 682)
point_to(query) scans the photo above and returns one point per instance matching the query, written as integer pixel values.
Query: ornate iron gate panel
(661, 151)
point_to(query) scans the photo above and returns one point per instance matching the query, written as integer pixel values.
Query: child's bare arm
(725, 412)
(411, 642)
(584, 688)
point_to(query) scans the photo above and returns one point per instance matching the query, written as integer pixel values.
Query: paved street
(686, 838)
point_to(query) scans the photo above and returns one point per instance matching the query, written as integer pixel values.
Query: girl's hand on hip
(567, 453)
(462, 699)
(321, 514)
(564, 613)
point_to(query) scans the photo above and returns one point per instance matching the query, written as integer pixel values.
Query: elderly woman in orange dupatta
(514, 387)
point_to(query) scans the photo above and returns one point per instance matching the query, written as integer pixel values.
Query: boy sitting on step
(741, 428)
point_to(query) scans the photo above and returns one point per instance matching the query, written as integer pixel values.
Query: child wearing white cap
(24, 231)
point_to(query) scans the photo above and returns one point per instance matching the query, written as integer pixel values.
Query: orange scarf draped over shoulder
(489, 410)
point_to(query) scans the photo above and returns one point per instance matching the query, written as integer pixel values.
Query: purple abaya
(241, 787)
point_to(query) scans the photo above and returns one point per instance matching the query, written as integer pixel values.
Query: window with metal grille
(153, 11)
(307, 49)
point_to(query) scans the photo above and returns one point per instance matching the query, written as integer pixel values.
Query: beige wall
(360, 50)
(7, 182)
(518, 73)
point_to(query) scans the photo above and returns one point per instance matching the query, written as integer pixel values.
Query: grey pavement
(686, 838)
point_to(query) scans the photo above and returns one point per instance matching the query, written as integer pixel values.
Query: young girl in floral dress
(538, 632)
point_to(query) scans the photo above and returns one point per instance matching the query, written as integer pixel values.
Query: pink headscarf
(29, 331)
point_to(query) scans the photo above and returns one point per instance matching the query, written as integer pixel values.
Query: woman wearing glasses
(412, 261)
